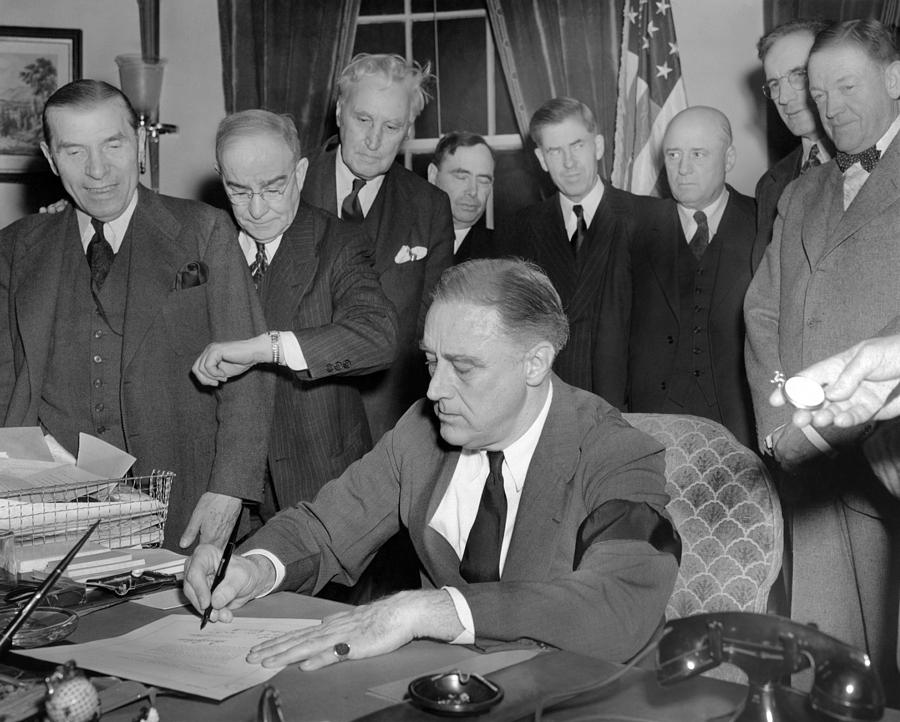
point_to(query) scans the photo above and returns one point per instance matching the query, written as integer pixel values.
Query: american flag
(651, 92)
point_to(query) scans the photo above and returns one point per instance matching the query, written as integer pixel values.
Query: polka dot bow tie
(867, 159)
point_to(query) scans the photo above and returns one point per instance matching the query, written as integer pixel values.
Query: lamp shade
(141, 81)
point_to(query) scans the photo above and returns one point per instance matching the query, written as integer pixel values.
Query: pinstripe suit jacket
(590, 593)
(408, 211)
(594, 287)
(476, 244)
(321, 285)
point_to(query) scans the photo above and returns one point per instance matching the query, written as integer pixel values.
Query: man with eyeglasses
(784, 52)
(315, 278)
(827, 281)
(105, 304)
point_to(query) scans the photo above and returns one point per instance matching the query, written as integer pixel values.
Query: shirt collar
(589, 203)
(807, 144)
(889, 136)
(713, 211)
(344, 183)
(114, 230)
(459, 235)
(248, 246)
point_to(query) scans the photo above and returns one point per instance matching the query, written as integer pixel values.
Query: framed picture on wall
(34, 62)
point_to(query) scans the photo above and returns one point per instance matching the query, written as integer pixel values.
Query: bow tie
(867, 159)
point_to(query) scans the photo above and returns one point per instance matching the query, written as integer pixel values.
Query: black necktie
(351, 210)
(868, 159)
(578, 236)
(260, 265)
(100, 255)
(481, 559)
(812, 160)
(700, 240)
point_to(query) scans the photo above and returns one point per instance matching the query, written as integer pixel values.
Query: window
(470, 94)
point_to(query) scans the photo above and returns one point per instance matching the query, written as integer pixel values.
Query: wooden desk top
(338, 693)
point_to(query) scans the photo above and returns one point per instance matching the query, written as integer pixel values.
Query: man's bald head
(698, 153)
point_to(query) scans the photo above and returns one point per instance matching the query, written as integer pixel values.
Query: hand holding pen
(221, 570)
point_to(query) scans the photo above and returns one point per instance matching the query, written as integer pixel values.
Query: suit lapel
(155, 251)
(544, 494)
(663, 251)
(440, 555)
(592, 261)
(734, 257)
(292, 270)
(38, 282)
(391, 202)
(823, 213)
(552, 246)
(320, 186)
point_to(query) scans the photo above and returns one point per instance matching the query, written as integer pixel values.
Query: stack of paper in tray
(94, 561)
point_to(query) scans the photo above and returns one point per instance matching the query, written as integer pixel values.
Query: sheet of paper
(102, 459)
(24, 442)
(164, 599)
(174, 653)
(479, 664)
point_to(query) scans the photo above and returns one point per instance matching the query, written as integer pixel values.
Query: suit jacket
(321, 285)
(408, 212)
(213, 439)
(656, 310)
(827, 281)
(769, 188)
(594, 287)
(611, 585)
(476, 244)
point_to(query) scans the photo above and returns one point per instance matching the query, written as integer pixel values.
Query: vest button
(670, 339)
(98, 383)
(101, 429)
(662, 386)
(98, 359)
(696, 372)
(695, 350)
(696, 329)
(98, 408)
(98, 333)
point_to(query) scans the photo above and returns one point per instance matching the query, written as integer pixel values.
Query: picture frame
(34, 62)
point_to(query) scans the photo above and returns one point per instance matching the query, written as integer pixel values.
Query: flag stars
(673, 49)
(651, 28)
(646, 43)
(662, 71)
(632, 16)
(662, 7)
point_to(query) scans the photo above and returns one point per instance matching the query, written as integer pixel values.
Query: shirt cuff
(276, 562)
(467, 636)
(291, 352)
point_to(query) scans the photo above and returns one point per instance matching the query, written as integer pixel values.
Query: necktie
(260, 265)
(700, 240)
(868, 159)
(578, 236)
(812, 160)
(351, 210)
(100, 255)
(481, 559)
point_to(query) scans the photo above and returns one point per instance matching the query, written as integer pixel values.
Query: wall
(717, 44)
(192, 96)
(716, 40)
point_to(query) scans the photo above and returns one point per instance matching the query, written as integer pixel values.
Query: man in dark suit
(524, 498)
(691, 264)
(105, 345)
(827, 281)
(407, 219)
(784, 52)
(315, 279)
(463, 167)
(580, 237)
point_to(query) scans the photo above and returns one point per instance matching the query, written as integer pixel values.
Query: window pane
(427, 6)
(380, 7)
(463, 92)
(505, 115)
(379, 38)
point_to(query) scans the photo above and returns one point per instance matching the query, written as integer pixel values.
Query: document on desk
(174, 653)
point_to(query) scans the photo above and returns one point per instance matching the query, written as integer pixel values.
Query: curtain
(284, 56)
(550, 48)
(776, 12)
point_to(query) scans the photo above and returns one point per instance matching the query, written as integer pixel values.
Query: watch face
(804, 393)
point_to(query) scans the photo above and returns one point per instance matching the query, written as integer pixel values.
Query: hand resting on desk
(368, 630)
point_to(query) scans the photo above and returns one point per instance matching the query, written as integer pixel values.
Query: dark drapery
(550, 48)
(284, 56)
(776, 12)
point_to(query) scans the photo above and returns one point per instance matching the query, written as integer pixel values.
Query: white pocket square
(407, 254)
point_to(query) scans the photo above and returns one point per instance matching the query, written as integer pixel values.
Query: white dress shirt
(343, 181)
(459, 235)
(856, 176)
(713, 211)
(589, 205)
(114, 231)
(291, 353)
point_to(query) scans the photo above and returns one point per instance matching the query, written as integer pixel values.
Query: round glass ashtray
(454, 693)
(44, 626)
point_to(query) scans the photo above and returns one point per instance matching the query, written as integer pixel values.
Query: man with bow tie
(827, 281)
(105, 305)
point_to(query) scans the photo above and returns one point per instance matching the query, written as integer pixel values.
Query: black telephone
(768, 648)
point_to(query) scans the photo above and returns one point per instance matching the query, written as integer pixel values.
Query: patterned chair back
(725, 507)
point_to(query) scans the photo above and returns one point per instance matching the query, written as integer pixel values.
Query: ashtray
(44, 626)
(454, 693)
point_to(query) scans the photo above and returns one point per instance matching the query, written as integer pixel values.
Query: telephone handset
(768, 648)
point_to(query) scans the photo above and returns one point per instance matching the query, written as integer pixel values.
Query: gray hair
(257, 121)
(793, 27)
(85, 94)
(393, 69)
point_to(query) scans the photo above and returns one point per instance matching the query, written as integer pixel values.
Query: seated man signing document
(535, 510)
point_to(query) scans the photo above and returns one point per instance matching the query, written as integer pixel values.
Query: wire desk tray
(133, 511)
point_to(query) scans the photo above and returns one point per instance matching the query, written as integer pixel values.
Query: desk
(338, 693)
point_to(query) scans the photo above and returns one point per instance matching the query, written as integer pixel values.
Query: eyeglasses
(796, 79)
(269, 195)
